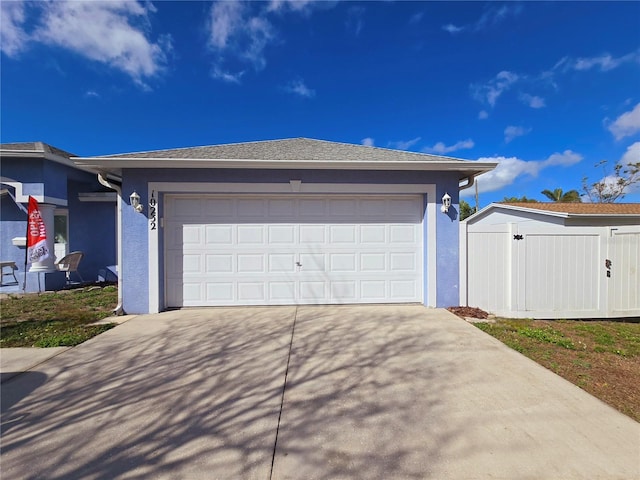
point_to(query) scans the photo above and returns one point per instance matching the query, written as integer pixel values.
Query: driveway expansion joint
(284, 388)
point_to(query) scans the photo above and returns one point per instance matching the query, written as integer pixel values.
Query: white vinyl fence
(538, 270)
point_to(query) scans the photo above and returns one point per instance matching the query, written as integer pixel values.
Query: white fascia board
(46, 156)
(470, 167)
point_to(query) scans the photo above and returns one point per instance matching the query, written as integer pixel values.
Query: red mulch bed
(470, 312)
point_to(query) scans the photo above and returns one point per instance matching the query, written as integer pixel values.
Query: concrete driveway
(348, 392)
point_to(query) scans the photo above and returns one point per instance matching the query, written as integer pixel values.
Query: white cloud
(513, 131)
(511, 169)
(225, 76)
(240, 32)
(491, 91)
(355, 20)
(442, 148)
(483, 115)
(105, 32)
(298, 87)
(492, 16)
(564, 159)
(507, 171)
(452, 29)
(294, 5)
(496, 14)
(404, 144)
(632, 155)
(91, 94)
(234, 31)
(603, 62)
(368, 142)
(13, 38)
(532, 100)
(626, 124)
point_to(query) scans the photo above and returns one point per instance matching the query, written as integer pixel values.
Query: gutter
(471, 179)
(119, 310)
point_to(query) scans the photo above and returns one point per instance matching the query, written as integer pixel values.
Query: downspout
(118, 188)
(471, 179)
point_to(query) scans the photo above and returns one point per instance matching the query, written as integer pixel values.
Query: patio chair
(69, 264)
(12, 272)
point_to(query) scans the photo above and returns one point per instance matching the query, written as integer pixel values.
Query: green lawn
(54, 319)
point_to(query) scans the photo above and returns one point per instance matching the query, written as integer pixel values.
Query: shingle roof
(36, 147)
(581, 208)
(294, 149)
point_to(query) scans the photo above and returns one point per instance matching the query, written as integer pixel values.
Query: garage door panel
(341, 208)
(313, 291)
(312, 234)
(251, 235)
(372, 234)
(192, 292)
(281, 208)
(192, 263)
(373, 262)
(373, 290)
(250, 208)
(251, 263)
(312, 262)
(312, 208)
(217, 264)
(217, 208)
(282, 262)
(282, 291)
(192, 235)
(220, 292)
(281, 234)
(402, 262)
(251, 291)
(218, 235)
(402, 289)
(343, 262)
(342, 234)
(294, 250)
(344, 292)
(402, 234)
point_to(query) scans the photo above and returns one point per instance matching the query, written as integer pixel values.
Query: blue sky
(545, 89)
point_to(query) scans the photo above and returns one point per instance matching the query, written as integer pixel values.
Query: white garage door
(270, 250)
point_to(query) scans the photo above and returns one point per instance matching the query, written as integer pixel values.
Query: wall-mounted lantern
(446, 203)
(135, 202)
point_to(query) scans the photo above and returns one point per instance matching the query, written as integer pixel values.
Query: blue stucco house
(293, 221)
(79, 213)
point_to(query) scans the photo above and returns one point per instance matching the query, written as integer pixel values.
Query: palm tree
(557, 195)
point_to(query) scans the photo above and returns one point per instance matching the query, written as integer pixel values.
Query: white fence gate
(536, 270)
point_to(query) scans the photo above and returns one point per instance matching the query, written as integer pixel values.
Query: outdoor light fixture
(135, 202)
(446, 203)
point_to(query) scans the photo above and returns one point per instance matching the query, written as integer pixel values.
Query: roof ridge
(281, 140)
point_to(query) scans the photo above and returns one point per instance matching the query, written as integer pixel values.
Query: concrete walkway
(371, 392)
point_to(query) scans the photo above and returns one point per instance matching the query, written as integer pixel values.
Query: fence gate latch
(518, 237)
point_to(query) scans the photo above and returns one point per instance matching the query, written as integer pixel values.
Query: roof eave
(69, 162)
(116, 165)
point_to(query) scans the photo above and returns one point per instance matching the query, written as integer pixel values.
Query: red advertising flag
(37, 249)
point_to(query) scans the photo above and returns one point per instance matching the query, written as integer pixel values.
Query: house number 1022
(153, 212)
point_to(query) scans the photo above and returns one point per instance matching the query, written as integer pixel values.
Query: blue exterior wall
(92, 225)
(135, 232)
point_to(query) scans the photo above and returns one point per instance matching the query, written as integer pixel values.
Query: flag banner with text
(37, 249)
